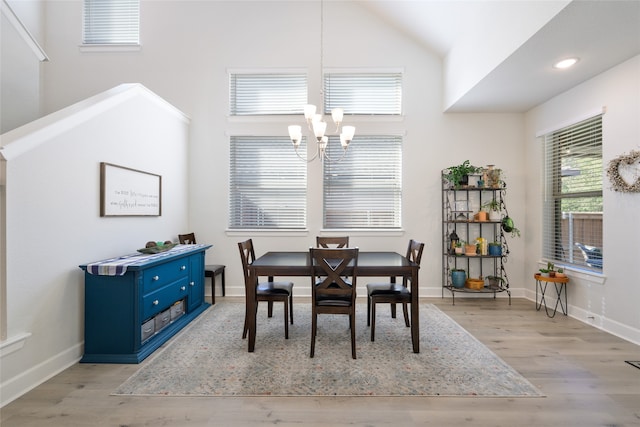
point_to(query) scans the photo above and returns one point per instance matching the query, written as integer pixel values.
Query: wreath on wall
(624, 172)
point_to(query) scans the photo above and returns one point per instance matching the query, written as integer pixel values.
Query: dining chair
(332, 291)
(210, 270)
(332, 242)
(392, 292)
(268, 291)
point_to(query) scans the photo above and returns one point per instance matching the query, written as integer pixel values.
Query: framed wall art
(129, 192)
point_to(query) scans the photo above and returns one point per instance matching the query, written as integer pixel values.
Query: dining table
(298, 264)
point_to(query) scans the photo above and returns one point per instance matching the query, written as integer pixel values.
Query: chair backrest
(331, 270)
(414, 253)
(247, 255)
(187, 239)
(328, 242)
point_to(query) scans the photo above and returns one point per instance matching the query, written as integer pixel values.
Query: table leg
(415, 317)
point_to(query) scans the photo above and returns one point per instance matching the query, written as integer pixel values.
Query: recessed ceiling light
(565, 63)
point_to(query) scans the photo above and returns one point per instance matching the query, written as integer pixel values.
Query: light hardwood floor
(580, 369)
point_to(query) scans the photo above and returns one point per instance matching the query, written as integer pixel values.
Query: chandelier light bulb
(319, 128)
(309, 111)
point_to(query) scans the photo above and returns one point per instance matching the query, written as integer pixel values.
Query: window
(268, 184)
(111, 22)
(371, 93)
(267, 94)
(364, 189)
(572, 220)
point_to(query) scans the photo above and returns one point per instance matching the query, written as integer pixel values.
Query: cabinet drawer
(156, 277)
(147, 330)
(162, 319)
(177, 309)
(163, 298)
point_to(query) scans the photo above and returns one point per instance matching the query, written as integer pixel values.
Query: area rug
(210, 358)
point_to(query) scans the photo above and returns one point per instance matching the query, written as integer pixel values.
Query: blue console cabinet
(135, 303)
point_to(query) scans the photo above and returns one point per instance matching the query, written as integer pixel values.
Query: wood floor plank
(580, 369)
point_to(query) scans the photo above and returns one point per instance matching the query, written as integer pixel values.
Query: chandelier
(315, 122)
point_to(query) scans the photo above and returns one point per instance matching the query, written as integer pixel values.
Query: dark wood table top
(369, 264)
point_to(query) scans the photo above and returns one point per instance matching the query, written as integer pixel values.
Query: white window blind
(268, 184)
(365, 93)
(572, 223)
(364, 189)
(267, 94)
(111, 22)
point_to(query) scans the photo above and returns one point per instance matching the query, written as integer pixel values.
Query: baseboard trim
(26, 381)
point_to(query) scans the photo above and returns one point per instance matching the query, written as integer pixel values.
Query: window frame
(248, 208)
(558, 245)
(128, 31)
(385, 210)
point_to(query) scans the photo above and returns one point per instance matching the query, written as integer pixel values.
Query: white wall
(609, 301)
(188, 48)
(20, 86)
(53, 217)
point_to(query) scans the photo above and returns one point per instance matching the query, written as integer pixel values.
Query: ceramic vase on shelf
(458, 278)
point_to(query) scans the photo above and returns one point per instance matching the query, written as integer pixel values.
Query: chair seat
(271, 288)
(387, 289)
(332, 302)
(214, 269)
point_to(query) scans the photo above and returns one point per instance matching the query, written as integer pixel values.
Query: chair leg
(246, 325)
(286, 319)
(353, 334)
(406, 314)
(393, 310)
(314, 320)
(223, 292)
(368, 310)
(373, 320)
(213, 289)
(291, 308)
(269, 308)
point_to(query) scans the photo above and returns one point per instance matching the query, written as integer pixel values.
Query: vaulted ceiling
(528, 36)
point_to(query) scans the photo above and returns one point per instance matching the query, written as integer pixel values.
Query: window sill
(251, 232)
(13, 344)
(110, 47)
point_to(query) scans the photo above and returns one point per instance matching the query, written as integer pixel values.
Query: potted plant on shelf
(458, 248)
(458, 277)
(509, 227)
(494, 282)
(560, 272)
(493, 206)
(495, 248)
(459, 175)
(544, 272)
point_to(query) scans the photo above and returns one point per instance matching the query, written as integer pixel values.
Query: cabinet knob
(192, 283)
(183, 267)
(156, 277)
(156, 302)
(183, 288)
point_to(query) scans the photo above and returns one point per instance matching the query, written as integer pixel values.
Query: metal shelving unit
(458, 208)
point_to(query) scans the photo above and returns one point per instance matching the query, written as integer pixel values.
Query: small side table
(560, 284)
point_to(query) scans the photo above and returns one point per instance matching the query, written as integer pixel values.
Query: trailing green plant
(456, 174)
(509, 226)
(492, 205)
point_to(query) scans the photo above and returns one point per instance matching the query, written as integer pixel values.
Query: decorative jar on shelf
(458, 278)
(495, 249)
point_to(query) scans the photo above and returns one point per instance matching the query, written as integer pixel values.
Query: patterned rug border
(190, 350)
